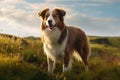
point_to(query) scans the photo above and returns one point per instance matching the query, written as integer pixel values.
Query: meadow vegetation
(24, 59)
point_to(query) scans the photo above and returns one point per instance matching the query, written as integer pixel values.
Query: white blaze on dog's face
(52, 18)
(50, 21)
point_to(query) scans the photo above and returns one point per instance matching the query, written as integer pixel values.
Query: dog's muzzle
(51, 26)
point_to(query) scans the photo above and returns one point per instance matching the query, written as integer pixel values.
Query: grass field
(23, 59)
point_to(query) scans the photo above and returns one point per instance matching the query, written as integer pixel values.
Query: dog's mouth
(51, 27)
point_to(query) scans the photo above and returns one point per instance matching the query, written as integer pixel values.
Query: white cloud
(10, 3)
(85, 0)
(94, 25)
(106, 20)
(18, 19)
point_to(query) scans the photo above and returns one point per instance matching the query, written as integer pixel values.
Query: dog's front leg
(51, 65)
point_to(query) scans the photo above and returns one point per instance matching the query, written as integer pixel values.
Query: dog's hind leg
(84, 57)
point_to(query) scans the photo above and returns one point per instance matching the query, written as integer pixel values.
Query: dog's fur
(61, 42)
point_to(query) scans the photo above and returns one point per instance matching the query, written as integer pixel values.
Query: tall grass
(12, 69)
(26, 61)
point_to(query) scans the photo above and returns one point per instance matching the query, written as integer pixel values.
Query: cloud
(94, 25)
(84, 0)
(17, 18)
(10, 3)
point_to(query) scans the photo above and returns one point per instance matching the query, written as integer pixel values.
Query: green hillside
(23, 59)
(111, 41)
(105, 45)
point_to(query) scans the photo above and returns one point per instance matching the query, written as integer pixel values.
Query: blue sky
(95, 17)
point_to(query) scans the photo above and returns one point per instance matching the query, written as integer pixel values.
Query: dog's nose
(50, 21)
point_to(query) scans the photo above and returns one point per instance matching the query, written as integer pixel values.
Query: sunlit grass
(27, 61)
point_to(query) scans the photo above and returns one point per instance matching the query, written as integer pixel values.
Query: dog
(62, 42)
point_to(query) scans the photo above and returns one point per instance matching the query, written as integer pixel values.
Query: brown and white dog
(61, 42)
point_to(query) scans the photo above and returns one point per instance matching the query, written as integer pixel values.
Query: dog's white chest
(54, 51)
(52, 48)
(51, 36)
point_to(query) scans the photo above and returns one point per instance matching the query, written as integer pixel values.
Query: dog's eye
(46, 16)
(54, 16)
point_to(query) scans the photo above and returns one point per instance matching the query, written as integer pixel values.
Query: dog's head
(52, 18)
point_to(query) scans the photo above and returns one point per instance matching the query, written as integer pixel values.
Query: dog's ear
(42, 13)
(61, 11)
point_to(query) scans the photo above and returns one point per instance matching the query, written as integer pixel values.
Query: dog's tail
(87, 49)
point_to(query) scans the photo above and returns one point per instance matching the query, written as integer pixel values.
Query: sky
(95, 17)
